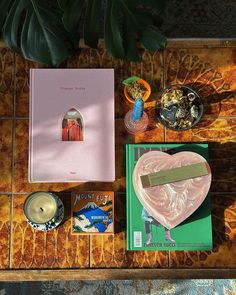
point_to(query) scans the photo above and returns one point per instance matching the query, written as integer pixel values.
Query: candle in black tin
(44, 211)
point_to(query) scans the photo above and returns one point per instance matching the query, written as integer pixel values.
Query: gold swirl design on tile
(221, 130)
(5, 204)
(53, 249)
(110, 251)
(6, 155)
(22, 84)
(6, 82)
(212, 72)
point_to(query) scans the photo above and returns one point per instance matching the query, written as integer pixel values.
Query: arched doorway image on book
(72, 126)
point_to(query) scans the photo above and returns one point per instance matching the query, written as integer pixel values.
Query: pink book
(71, 125)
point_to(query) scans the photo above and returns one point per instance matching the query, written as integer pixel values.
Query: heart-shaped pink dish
(172, 203)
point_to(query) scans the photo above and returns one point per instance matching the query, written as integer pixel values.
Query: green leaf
(4, 4)
(72, 14)
(71, 19)
(130, 39)
(47, 31)
(130, 13)
(36, 31)
(152, 40)
(130, 80)
(92, 22)
(63, 4)
(112, 36)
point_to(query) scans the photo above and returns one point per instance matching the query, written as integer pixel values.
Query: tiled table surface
(209, 69)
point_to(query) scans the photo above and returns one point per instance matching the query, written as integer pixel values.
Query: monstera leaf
(125, 23)
(36, 31)
(49, 31)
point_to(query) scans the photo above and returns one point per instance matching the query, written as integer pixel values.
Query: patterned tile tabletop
(209, 69)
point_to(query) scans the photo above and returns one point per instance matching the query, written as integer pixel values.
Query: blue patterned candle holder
(44, 211)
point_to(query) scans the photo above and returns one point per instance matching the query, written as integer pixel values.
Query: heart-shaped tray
(170, 204)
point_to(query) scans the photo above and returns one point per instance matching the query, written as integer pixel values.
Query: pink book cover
(71, 125)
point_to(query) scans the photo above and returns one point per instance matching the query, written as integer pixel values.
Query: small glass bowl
(170, 120)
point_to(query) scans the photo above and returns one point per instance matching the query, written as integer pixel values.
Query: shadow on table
(212, 101)
(222, 160)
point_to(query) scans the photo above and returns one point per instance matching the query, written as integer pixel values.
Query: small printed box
(92, 212)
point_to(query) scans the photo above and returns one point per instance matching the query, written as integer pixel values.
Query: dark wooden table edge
(114, 274)
(177, 43)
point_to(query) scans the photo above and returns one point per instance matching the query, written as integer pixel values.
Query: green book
(143, 231)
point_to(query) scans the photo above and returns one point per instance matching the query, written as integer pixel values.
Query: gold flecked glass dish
(179, 107)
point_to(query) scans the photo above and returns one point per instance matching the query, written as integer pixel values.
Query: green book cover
(144, 232)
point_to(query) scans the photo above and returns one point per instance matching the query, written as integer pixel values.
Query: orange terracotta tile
(110, 251)
(54, 249)
(208, 130)
(122, 137)
(78, 60)
(221, 130)
(22, 85)
(5, 205)
(6, 155)
(6, 82)
(154, 132)
(223, 254)
(210, 71)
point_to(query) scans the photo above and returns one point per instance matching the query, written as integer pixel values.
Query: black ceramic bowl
(163, 118)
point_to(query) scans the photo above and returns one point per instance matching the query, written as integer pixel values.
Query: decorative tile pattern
(22, 85)
(5, 205)
(6, 82)
(5, 155)
(211, 72)
(154, 132)
(221, 130)
(110, 251)
(54, 249)
(223, 254)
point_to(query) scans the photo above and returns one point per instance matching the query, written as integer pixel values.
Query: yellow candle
(40, 207)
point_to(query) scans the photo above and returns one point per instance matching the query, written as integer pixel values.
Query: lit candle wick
(41, 207)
